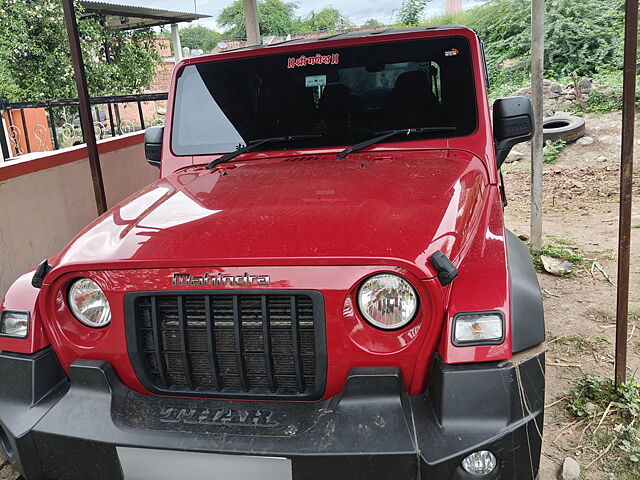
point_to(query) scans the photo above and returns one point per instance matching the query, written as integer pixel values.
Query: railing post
(141, 115)
(4, 146)
(54, 135)
(25, 130)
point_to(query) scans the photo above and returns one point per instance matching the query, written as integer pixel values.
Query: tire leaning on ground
(568, 128)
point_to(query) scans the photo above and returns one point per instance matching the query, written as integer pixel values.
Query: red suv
(319, 286)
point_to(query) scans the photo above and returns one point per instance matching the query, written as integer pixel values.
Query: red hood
(391, 209)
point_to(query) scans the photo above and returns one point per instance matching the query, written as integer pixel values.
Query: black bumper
(58, 428)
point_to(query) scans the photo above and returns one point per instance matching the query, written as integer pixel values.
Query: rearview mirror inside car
(153, 145)
(512, 124)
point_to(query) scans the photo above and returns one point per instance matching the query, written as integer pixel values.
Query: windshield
(341, 96)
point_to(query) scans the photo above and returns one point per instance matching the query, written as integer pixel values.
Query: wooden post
(626, 186)
(86, 121)
(537, 144)
(251, 22)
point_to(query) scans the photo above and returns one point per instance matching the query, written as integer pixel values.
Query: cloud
(358, 12)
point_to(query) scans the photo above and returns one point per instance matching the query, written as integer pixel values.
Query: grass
(612, 418)
(577, 343)
(636, 225)
(552, 151)
(561, 248)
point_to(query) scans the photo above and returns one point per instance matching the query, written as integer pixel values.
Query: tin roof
(126, 17)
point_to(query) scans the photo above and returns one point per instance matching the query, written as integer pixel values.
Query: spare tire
(568, 128)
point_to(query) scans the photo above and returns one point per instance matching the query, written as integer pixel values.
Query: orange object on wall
(35, 125)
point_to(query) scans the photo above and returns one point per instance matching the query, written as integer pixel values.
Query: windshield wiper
(256, 143)
(390, 133)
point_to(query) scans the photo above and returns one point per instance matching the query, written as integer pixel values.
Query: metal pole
(175, 40)
(251, 22)
(537, 143)
(626, 186)
(4, 146)
(86, 121)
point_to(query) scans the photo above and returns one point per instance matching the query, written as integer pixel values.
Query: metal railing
(45, 125)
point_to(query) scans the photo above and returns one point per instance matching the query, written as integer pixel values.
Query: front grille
(217, 344)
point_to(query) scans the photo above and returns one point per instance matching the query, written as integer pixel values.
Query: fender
(23, 296)
(527, 313)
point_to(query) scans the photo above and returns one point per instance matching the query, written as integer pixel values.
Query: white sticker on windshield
(316, 81)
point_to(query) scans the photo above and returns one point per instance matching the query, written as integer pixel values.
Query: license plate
(147, 464)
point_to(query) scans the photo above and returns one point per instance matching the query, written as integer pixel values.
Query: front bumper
(82, 426)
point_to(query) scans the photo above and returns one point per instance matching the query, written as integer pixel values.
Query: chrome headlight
(387, 301)
(89, 303)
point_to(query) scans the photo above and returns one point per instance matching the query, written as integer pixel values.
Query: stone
(552, 95)
(514, 156)
(555, 88)
(570, 469)
(556, 266)
(522, 91)
(585, 84)
(546, 82)
(570, 97)
(585, 141)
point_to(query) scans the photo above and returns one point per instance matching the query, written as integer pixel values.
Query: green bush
(552, 151)
(585, 37)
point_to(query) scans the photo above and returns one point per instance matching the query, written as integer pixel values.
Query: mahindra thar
(319, 286)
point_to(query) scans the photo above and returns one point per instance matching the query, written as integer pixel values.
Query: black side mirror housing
(153, 145)
(512, 124)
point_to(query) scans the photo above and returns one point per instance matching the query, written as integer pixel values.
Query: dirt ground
(581, 205)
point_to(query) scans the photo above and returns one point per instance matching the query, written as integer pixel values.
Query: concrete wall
(46, 199)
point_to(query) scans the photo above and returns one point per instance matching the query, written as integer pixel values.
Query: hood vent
(301, 159)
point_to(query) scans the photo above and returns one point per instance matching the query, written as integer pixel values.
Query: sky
(357, 11)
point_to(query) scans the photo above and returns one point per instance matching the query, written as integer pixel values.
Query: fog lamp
(481, 328)
(14, 323)
(482, 462)
(89, 304)
(387, 301)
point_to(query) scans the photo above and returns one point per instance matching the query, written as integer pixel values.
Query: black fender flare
(527, 313)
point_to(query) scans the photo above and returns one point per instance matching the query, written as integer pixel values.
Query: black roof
(126, 17)
(350, 34)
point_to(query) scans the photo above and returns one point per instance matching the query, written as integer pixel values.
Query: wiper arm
(390, 133)
(255, 144)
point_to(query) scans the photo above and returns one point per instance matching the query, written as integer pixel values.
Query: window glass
(343, 95)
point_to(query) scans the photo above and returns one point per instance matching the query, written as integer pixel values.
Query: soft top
(345, 36)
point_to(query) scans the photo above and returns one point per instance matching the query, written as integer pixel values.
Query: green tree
(275, 16)
(372, 23)
(35, 61)
(411, 11)
(198, 36)
(585, 36)
(327, 19)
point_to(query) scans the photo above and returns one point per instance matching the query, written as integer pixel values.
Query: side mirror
(512, 124)
(153, 145)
